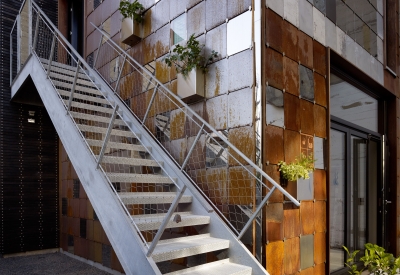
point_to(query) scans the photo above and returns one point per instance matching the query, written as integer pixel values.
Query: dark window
(64, 206)
(82, 228)
(75, 193)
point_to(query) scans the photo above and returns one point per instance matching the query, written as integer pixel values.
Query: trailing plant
(132, 10)
(375, 259)
(188, 57)
(300, 168)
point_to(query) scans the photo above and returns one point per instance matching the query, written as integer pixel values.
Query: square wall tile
(239, 33)
(320, 121)
(275, 114)
(274, 68)
(290, 76)
(290, 40)
(319, 153)
(217, 79)
(320, 184)
(276, 6)
(196, 19)
(306, 77)
(305, 50)
(292, 112)
(307, 117)
(291, 260)
(291, 223)
(273, 30)
(291, 145)
(319, 56)
(306, 23)
(307, 217)
(274, 257)
(237, 7)
(319, 248)
(306, 251)
(240, 108)
(291, 11)
(320, 90)
(273, 144)
(240, 70)
(319, 26)
(330, 34)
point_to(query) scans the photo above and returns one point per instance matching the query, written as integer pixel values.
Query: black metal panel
(28, 157)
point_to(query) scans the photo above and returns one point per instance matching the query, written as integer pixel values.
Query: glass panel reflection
(337, 199)
(306, 83)
(275, 114)
(320, 5)
(178, 28)
(349, 103)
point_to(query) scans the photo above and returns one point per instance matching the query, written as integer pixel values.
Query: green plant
(375, 259)
(300, 168)
(131, 10)
(187, 57)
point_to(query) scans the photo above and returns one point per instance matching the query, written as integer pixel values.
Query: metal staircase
(152, 211)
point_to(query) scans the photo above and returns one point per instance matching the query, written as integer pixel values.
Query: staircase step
(57, 64)
(60, 70)
(187, 246)
(131, 161)
(120, 146)
(68, 86)
(102, 130)
(83, 97)
(97, 118)
(151, 197)
(222, 267)
(90, 107)
(70, 79)
(153, 221)
(138, 178)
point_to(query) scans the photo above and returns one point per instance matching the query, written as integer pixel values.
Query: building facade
(292, 77)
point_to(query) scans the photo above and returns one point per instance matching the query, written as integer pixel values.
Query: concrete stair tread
(153, 221)
(151, 197)
(139, 178)
(97, 118)
(57, 64)
(222, 267)
(70, 79)
(131, 161)
(67, 71)
(103, 130)
(89, 107)
(77, 95)
(118, 145)
(187, 246)
(66, 85)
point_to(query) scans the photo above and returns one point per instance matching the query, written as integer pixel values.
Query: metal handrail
(187, 108)
(80, 61)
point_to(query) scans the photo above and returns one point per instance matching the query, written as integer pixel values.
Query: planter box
(191, 88)
(131, 31)
(302, 189)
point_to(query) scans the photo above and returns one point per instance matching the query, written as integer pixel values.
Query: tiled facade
(299, 38)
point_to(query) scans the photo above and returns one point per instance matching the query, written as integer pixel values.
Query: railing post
(165, 221)
(192, 148)
(71, 96)
(98, 51)
(53, 44)
(107, 137)
(11, 58)
(255, 214)
(150, 103)
(36, 32)
(120, 74)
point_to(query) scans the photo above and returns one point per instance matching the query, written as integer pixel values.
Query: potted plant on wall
(375, 260)
(131, 29)
(191, 65)
(297, 177)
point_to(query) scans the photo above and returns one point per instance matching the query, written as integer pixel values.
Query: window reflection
(178, 29)
(275, 114)
(353, 105)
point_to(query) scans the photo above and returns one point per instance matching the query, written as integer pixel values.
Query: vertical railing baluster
(36, 32)
(98, 52)
(167, 218)
(107, 137)
(71, 96)
(150, 103)
(192, 148)
(53, 44)
(251, 219)
(119, 75)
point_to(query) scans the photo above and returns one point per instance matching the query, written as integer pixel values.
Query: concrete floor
(46, 264)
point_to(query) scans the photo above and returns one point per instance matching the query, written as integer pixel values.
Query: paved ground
(47, 264)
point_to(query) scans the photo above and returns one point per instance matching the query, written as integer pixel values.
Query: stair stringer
(238, 252)
(116, 224)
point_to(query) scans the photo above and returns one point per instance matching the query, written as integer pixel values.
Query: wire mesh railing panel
(226, 176)
(130, 168)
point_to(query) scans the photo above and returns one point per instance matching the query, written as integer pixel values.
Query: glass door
(355, 184)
